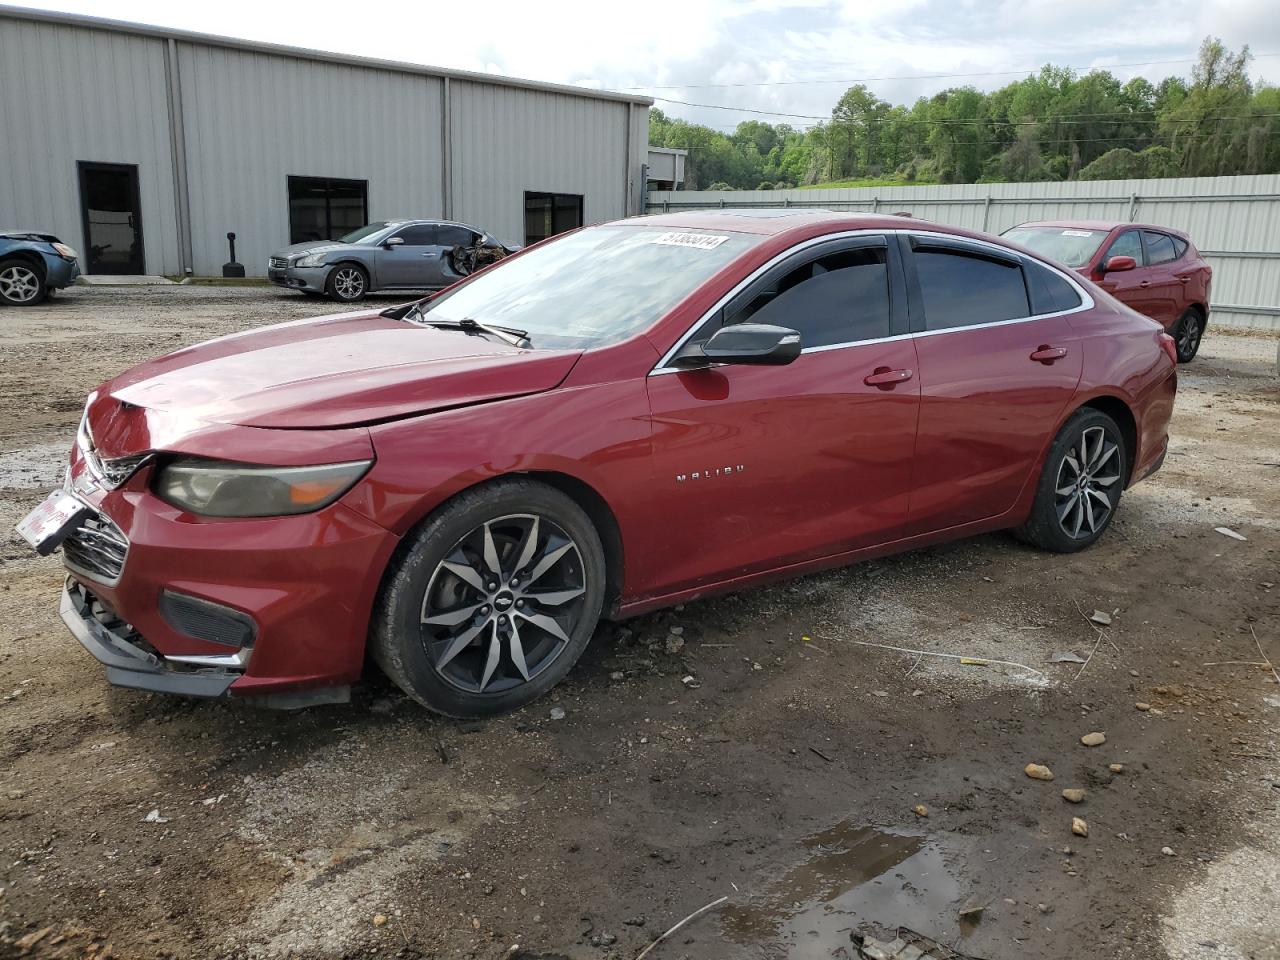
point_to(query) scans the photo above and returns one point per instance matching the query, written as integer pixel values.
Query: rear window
(962, 289)
(1159, 247)
(1067, 245)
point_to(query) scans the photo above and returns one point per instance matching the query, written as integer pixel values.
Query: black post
(232, 269)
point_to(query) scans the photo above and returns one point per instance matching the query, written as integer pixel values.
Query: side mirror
(756, 344)
(1119, 263)
(392, 242)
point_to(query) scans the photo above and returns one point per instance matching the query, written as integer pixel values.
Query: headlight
(310, 260)
(65, 252)
(217, 488)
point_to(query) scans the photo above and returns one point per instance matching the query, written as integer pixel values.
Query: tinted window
(838, 298)
(418, 235)
(1127, 245)
(1159, 247)
(960, 289)
(1050, 291)
(1179, 247)
(456, 236)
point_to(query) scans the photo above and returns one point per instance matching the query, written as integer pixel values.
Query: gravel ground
(784, 779)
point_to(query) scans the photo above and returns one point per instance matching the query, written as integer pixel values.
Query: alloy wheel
(1086, 475)
(349, 282)
(1189, 336)
(502, 605)
(19, 284)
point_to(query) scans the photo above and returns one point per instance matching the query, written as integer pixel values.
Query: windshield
(361, 234)
(1067, 245)
(593, 287)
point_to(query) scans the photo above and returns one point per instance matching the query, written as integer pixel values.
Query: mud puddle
(852, 877)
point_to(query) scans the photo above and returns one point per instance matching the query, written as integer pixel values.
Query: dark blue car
(32, 264)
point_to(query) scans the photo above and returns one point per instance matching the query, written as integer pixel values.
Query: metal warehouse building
(143, 147)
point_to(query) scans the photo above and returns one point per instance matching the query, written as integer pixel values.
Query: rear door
(413, 263)
(1164, 289)
(998, 363)
(758, 467)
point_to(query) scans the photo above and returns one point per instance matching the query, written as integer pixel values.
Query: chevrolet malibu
(629, 416)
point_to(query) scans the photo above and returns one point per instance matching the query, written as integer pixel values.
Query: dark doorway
(112, 215)
(325, 208)
(546, 214)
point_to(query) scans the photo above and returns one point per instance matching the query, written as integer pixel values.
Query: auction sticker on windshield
(702, 241)
(1077, 233)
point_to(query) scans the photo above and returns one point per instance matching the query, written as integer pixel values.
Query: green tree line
(1053, 125)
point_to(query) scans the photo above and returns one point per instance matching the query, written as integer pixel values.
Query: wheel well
(34, 259)
(601, 515)
(1199, 308)
(1119, 411)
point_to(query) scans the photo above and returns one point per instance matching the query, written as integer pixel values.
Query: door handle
(1144, 284)
(1046, 354)
(885, 377)
(1184, 279)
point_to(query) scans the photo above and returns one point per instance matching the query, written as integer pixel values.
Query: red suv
(622, 418)
(1156, 270)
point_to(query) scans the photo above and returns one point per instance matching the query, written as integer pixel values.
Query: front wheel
(1080, 484)
(347, 283)
(492, 601)
(21, 285)
(1186, 334)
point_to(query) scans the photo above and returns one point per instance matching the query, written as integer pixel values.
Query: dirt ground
(781, 774)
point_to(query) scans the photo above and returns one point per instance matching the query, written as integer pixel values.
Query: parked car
(623, 418)
(386, 255)
(1156, 270)
(32, 265)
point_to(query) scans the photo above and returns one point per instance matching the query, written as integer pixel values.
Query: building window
(546, 214)
(322, 208)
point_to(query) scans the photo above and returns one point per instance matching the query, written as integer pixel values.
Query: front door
(994, 380)
(414, 262)
(759, 467)
(1130, 287)
(111, 213)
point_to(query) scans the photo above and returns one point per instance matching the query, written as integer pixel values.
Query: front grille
(97, 549)
(277, 263)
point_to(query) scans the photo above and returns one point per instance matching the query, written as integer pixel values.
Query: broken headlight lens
(218, 488)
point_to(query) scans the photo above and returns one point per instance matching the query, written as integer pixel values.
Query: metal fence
(1235, 221)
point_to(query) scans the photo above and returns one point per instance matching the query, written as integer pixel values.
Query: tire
(1187, 333)
(439, 630)
(347, 283)
(1064, 519)
(21, 284)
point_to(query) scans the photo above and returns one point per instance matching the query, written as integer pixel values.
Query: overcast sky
(720, 51)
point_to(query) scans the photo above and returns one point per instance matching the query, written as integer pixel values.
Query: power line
(917, 76)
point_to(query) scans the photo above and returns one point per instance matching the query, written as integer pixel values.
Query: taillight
(1169, 346)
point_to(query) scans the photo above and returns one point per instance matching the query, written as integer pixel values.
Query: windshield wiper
(415, 314)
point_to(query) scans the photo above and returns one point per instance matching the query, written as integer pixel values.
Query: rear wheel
(493, 601)
(1080, 484)
(347, 282)
(1187, 333)
(21, 284)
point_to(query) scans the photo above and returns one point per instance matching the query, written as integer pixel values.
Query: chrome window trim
(1086, 301)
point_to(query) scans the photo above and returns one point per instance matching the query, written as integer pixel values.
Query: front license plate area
(49, 524)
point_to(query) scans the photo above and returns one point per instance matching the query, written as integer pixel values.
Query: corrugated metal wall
(69, 95)
(252, 120)
(1235, 221)
(507, 141)
(246, 117)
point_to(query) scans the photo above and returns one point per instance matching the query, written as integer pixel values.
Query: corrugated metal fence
(1235, 221)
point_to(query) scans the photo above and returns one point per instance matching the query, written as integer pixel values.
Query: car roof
(1103, 225)
(778, 220)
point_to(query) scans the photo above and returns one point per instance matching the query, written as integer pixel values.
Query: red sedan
(626, 417)
(1156, 270)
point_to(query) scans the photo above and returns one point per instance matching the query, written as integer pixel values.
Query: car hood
(322, 246)
(337, 372)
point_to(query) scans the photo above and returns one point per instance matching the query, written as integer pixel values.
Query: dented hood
(337, 372)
